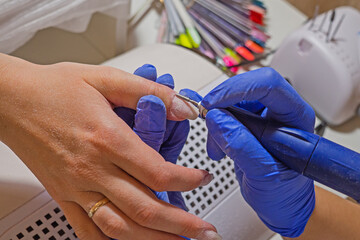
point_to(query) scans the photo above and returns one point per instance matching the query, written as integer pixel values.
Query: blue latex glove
(153, 128)
(282, 198)
(149, 122)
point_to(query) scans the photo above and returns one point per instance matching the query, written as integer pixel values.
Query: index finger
(124, 90)
(269, 88)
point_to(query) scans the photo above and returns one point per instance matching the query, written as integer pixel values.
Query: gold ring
(96, 206)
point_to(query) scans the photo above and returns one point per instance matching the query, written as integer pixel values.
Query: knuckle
(113, 228)
(79, 169)
(105, 73)
(188, 229)
(270, 73)
(161, 180)
(192, 227)
(99, 140)
(93, 139)
(312, 116)
(64, 67)
(64, 64)
(275, 80)
(146, 214)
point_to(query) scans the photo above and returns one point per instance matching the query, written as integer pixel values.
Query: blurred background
(104, 38)
(307, 6)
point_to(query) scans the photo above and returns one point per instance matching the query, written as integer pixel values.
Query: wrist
(12, 73)
(4, 63)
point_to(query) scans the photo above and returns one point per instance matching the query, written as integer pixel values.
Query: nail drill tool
(309, 154)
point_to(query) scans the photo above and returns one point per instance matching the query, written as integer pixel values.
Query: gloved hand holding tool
(266, 153)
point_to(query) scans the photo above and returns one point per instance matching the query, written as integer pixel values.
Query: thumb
(124, 90)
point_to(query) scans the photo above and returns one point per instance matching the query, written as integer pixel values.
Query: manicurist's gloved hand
(166, 139)
(282, 198)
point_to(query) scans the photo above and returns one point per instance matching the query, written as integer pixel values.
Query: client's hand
(283, 199)
(59, 120)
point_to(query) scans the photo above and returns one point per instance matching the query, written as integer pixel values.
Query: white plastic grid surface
(47, 222)
(203, 199)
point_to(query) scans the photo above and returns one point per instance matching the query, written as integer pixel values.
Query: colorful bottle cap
(184, 41)
(232, 54)
(229, 61)
(254, 47)
(245, 53)
(256, 14)
(260, 35)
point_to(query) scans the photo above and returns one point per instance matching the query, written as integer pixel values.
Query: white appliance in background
(219, 203)
(322, 61)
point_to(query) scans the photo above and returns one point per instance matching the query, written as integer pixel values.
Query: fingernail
(209, 235)
(207, 179)
(181, 110)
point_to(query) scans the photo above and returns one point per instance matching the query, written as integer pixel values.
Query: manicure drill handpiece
(304, 152)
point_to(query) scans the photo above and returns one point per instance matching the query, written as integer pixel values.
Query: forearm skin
(333, 218)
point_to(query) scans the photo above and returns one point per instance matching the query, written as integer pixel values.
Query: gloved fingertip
(213, 150)
(150, 115)
(147, 71)
(147, 65)
(167, 80)
(150, 121)
(150, 102)
(191, 94)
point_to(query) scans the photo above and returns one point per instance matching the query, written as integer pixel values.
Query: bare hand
(59, 120)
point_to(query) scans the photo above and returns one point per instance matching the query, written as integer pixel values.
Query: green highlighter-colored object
(191, 32)
(184, 41)
(194, 37)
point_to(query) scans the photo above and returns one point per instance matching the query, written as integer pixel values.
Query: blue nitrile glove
(166, 137)
(282, 198)
(175, 134)
(152, 127)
